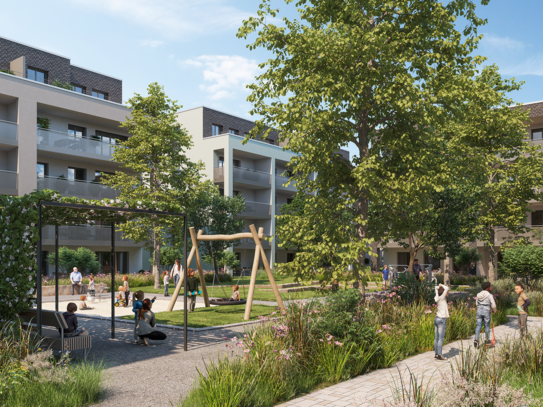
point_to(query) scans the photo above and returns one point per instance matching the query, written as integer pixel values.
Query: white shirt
(441, 301)
(176, 271)
(76, 276)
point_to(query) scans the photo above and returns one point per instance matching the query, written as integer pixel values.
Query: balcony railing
(66, 141)
(244, 176)
(280, 182)
(8, 131)
(97, 234)
(250, 244)
(8, 182)
(257, 209)
(81, 189)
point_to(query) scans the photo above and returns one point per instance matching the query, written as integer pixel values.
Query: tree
(467, 257)
(523, 261)
(168, 254)
(82, 258)
(157, 170)
(225, 259)
(361, 72)
(216, 215)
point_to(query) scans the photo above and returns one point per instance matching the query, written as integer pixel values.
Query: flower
(379, 331)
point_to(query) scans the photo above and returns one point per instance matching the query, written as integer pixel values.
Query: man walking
(76, 279)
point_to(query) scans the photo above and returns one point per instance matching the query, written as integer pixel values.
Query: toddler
(522, 306)
(83, 304)
(235, 295)
(166, 278)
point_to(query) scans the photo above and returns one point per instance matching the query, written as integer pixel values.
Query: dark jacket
(192, 284)
(71, 321)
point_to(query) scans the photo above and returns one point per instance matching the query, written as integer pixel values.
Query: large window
(78, 88)
(290, 257)
(216, 129)
(104, 258)
(99, 174)
(403, 259)
(43, 170)
(99, 95)
(76, 130)
(37, 75)
(537, 218)
(233, 131)
(109, 138)
(537, 134)
(77, 174)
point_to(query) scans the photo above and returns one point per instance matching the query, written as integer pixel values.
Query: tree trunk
(492, 255)
(413, 250)
(156, 263)
(375, 258)
(361, 234)
(447, 272)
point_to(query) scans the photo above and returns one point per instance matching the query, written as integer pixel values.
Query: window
(403, 259)
(290, 257)
(236, 193)
(99, 174)
(216, 129)
(221, 191)
(237, 163)
(290, 200)
(78, 89)
(43, 170)
(76, 130)
(221, 162)
(537, 134)
(269, 141)
(233, 131)
(121, 263)
(99, 95)
(37, 75)
(109, 138)
(537, 218)
(77, 174)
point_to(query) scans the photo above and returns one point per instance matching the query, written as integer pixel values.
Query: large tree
(379, 74)
(157, 171)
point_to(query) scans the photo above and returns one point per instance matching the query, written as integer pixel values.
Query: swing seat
(226, 301)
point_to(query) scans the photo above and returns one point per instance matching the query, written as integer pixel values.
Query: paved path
(376, 385)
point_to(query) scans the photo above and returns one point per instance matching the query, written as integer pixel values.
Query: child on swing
(235, 295)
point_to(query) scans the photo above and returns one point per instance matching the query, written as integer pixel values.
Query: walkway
(376, 385)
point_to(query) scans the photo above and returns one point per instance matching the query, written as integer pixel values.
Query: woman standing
(145, 324)
(440, 322)
(177, 269)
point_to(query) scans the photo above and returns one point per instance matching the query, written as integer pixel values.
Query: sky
(190, 46)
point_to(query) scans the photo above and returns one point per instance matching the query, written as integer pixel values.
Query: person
(145, 324)
(485, 305)
(235, 295)
(192, 287)
(522, 306)
(91, 288)
(166, 278)
(385, 275)
(83, 304)
(75, 278)
(126, 290)
(137, 303)
(71, 321)
(440, 321)
(176, 272)
(417, 269)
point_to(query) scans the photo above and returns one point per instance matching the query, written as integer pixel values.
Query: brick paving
(378, 385)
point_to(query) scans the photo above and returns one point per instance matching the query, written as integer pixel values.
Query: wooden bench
(51, 336)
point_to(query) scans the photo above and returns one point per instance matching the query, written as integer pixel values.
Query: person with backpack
(522, 306)
(485, 305)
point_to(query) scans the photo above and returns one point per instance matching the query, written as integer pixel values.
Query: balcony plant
(62, 85)
(44, 123)
(7, 71)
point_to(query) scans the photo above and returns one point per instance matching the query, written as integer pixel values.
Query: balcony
(84, 235)
(256, 210)
(8, 182)
(68, 144)
(80, 189)
(246, 176)
(280, 181)
(8, 133)
(250, 244)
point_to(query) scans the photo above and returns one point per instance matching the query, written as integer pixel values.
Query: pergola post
(112, 266)
(185, 269)
(56, 268)
(38, 277)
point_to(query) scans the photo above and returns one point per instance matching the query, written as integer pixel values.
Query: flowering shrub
(134, 279)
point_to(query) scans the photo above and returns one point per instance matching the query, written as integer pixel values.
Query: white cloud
(503, 43)
(224, 75)
(151, 43)
(173, 18)
(531, 66)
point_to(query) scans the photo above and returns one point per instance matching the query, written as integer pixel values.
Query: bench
(52, 337)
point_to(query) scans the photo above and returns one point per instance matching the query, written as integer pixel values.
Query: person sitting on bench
(71, 321)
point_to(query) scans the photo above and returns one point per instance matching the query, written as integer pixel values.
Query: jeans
(440, 325)
(166, 288)
(522, 324)
(77, 283)
(482, 315)
(78, 331)
(175, 280)
(155, 336)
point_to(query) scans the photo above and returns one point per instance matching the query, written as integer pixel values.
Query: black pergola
(76, 207)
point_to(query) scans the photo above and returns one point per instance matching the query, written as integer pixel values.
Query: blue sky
(190, 46)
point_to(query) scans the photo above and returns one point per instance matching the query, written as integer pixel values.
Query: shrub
(411, 290)
(523, 261)
(223, 277)
(82, 258)
(467, 257)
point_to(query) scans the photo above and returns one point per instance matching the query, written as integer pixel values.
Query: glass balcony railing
(8, 131)
(8, 182)
(257, 210)
(250, 244)
(280, 182)
(97, 234)
(80, 189)
(66, 141)
(246, 176)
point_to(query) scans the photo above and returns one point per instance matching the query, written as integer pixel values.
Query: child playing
(235, 295)
(440, 321)
(166, 278)
(83, 304)
(126, 290)
(192, 287)
(71, 321)
(137, 301)
(522, 306)
(485, 305)
(91, 288)
(385, 275)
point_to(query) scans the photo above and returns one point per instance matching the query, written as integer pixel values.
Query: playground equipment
(259, 252)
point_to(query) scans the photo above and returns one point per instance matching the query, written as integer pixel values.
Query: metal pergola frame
(39, 296)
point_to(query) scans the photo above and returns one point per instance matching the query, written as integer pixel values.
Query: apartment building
(59, 124)
(257, 170)
(394, 254)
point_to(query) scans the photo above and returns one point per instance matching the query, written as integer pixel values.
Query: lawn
(214, 316)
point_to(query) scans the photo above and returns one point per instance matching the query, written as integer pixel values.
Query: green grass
(214, 316)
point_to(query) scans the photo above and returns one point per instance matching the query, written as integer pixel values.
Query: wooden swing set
(259, 251)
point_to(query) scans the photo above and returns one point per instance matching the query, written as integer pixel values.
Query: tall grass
(16, 343)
